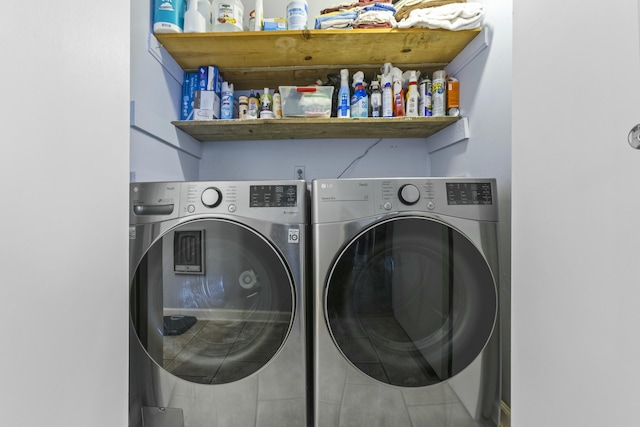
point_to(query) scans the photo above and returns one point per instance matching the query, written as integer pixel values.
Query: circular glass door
(212, 301)
(410, 302)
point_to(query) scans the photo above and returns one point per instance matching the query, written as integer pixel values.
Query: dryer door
(212, 301)
(410, 302)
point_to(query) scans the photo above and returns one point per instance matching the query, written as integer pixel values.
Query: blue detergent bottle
(360, 99)
(344, 96)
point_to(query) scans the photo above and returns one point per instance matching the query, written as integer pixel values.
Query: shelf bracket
(473, 49)
(457, 132)
(164, 58)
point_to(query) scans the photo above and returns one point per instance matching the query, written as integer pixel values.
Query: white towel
(454, 16)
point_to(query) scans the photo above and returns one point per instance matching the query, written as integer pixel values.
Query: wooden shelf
(263, 129)
(253, 60)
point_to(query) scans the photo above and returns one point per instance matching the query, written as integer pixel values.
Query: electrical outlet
(298, 172)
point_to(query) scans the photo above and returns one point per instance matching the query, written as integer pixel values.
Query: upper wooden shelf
(253, 60)
(303, 128)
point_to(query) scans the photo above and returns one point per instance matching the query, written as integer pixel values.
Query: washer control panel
(268, 200)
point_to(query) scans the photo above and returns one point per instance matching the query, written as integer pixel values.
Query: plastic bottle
(344, 102)
(227, 15)
(168, 16)
(277, 104)
(258, 17)
(204, 7)
(424, 100)
(226, 101)
(398, 94)
(297, 12)
(387, 96)
(453, 97)
(439, 93)
(243, 107)
(376, 99)
(252, 109)
(412, 96)
(266, 105)
(194, 21)
(359, 99)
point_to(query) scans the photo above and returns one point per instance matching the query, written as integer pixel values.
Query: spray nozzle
(358, 78)
(344, 76)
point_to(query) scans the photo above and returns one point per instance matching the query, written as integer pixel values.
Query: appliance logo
(293, 236)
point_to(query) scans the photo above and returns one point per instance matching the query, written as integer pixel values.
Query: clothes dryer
(217, 285)
(406, 303)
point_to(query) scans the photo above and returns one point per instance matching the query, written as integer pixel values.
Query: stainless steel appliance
(406, 302)
(218, 328)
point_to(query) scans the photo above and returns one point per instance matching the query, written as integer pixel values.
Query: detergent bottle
(344, 96)
(360, 99)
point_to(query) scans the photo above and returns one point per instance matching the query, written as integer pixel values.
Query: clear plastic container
(306, 101)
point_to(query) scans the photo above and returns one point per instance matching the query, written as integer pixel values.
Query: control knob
(211, 197)
(409, 194)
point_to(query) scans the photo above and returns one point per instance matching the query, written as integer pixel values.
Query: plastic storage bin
(306, 101)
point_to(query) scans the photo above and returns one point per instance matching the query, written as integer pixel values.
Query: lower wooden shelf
(302, 128)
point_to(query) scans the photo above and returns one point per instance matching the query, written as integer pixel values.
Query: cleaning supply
(387, 96)
(424, 100)
(194, 21)
(227, 15)
(266, 105)
(344, 101)
(398, 93)
(256, 17)
(439, 94)
(168, 16)
(226, 101)
(453, 97)
(243, 107)
(359, 99)
(277, 104)
(204, 7)
(297, 13)
(253, 107)
(412, 96)
(376, 99)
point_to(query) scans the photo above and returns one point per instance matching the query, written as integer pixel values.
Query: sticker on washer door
(294, 235)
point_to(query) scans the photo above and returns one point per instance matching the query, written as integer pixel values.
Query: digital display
(469, 193)
(273, 196)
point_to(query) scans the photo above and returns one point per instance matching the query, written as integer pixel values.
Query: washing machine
(406, 304)
(218, 304)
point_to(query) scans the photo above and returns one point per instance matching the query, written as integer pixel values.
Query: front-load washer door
(212, 301)
(410, 302)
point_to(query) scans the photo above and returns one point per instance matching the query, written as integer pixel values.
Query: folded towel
(454, 16)
(374, 17)
(405, 7)
(338, 18)
(383, 7)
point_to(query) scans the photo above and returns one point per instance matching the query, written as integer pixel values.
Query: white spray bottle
(387, 91)
(360, 99)
(412, 96)
(344, 96)
(398, 93)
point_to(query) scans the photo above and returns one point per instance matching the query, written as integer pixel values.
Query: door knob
(634, 137)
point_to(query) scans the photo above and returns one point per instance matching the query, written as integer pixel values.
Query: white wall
(576, 345)
(63, 258)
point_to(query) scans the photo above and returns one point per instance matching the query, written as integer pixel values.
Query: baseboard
(505, 415)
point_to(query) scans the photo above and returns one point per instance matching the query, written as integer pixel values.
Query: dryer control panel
(347, 199)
